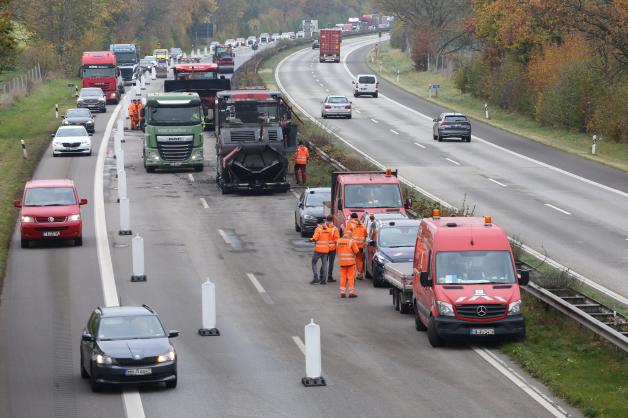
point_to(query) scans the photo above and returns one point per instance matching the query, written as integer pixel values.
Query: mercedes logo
(481, 310)
(51, 219)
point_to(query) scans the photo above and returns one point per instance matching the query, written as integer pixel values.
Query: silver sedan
(336, 106)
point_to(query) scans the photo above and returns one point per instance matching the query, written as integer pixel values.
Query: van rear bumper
(511, 327)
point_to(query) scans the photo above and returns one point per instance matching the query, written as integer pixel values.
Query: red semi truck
(99, 69)
(329, 41)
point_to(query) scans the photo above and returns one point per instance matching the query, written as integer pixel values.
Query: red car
(50, 210)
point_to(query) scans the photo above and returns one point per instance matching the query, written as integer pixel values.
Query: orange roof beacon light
(488, 220)
(436, 213)
(388, 172)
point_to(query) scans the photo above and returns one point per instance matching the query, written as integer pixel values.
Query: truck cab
(99, 69)
(465, 283)
(223, 56)
(128, 61)
(365, 192)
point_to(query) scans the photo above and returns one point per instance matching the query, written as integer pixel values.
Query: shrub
(608, 120)
(509, 87)
(398, 37)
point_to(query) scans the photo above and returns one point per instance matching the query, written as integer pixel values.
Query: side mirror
(434, 120)
(87, 337)
(339, 205)
(83, 201)
(301, 205)
(425, 280)
(52, 135)
(524, 277)
(173, 333)
(352, 82)
(408, 204)
(17, 203)
(63, 116)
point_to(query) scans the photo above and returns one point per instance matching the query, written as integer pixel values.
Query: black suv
(92, 98)
(127, 344)
(452, 125)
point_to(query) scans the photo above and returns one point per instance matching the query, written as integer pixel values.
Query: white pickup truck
(399, 276)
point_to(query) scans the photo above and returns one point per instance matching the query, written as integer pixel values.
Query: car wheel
(78, 242)
(469, 138)
(54, 154)
(96, 387)
(323, 116)
(104, 110)
(84, 373)
(89, 154)
(198, 168)
(375, 95)
(150, 169)
(297, 228)
(418, 324)
(432, 335)
(25, 243)
(355, 94)
(405, 308)
(439, 138)
(349, 117)
(304, 233)
(171, 384)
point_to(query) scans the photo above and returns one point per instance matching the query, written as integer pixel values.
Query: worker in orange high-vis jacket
(321, 237)
(134, 113)
(347, 250)
(359, 236)
(333, 239)
(301, 158)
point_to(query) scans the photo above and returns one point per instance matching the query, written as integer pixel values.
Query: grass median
(32, 118)
(390, 60)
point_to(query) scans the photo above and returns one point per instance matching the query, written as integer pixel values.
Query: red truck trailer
(329, 40)
(99, 69)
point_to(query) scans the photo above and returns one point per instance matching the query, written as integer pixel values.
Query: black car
(309, 211)
(80, 117)
(452, 125)
(127, 344)
(315, 44)
(92, 98)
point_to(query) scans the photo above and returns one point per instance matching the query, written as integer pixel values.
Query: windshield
(76, 113)
(468, 267)
(398, 236)
(171, 115)
(367, 80)
(99, 72)
(317, 199)
(248, 112)
(50, 196)
(372, 196)
(71, 131)
(126, 57)
(337, 100)
(197, 76)
(91, 93)
(456, 118)
(130, 327)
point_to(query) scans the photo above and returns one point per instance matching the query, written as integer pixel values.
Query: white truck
(399, 276)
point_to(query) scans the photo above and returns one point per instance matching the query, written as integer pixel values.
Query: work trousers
(359, 261)
(330, 263)
(323, 257)
(300, 174)
(347, 278)
(134, 122)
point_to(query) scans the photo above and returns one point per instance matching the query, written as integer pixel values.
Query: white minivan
(365, 84)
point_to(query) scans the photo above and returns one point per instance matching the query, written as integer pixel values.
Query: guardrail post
(125, 215)
(137, 252)
(486, 110)
(313, 369)
(24, 151)
(208, 301)
(138, 88)
(57, 111)
(593, 144)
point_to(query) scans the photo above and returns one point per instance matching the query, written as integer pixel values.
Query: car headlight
(380, 258)
(309, 217)
(27, 219)
(66, 122)
(74, 218)
(514, 308)
(444, 308)
(89, 122)
(101, 99)
(103, 359)
(80, 99)
(169, 356)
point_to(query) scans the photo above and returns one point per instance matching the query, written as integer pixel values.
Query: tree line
(564, 62)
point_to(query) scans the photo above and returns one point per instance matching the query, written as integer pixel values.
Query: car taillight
(327, 107)
(377, 85)
(442, 123)
(348, 107)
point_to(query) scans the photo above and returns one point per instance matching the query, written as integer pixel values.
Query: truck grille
(175, 148)
(127, 73)
(475, 311)
(272, 135)
(242, 135)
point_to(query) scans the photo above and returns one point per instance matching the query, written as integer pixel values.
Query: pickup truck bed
(399, 276)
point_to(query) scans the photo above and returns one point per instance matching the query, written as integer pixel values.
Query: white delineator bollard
(594, 144)
(122, 189)
(205, 51)
(125, 215)
(142, 83)
(486, 110)
(24, 152)
(56, 111)
(147, 77)
(208, 301)
(313, 369)
(137, 88)
(153, 74)
(137, 252)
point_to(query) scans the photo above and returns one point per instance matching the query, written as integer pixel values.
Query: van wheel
(469, 138)
(25, 243)
(432, 335)
(418, 324)
(375, 95)
(78, 242)
(405, 309)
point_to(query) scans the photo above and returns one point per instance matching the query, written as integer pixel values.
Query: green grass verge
(33, 119)
(390, 60)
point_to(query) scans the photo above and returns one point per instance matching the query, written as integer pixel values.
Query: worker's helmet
(354, 215)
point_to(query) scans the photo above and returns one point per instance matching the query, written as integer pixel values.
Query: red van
(50, 210)
(465, 282)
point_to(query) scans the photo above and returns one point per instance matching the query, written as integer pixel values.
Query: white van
(365, 84)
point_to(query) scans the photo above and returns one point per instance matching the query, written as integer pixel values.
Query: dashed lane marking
(191, 177)
(374, 121)
(357, 110)
(549, 205)
(256, 283)
(395, 132)
(452, 161)
(419, 145)
(204, 203)
(497, 182)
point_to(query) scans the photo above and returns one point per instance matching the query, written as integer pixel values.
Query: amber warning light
(388, 172)
(487, 220)
(436, 213)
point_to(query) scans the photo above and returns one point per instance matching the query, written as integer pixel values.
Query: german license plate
(482, 331)
(51, 233)
(175, 164)
(138, 372)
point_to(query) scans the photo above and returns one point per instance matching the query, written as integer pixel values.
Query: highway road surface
(570, 208)
(374, 361)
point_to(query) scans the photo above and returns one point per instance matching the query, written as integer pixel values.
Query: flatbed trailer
(399, 276)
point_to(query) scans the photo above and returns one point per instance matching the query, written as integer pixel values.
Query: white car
(71, 140)
(231, 42)
(275, 37)
(365, 84)
(300, 34)
(264, 38)
(336, 106)
(251, 40)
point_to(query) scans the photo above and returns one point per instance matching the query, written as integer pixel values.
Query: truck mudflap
(226, 69)
(254, 168)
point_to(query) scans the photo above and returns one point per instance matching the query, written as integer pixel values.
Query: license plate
(138, 372)
(482, 331)
(175, 164)
(51, 234)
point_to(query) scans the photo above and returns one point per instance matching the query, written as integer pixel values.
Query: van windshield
(50, 196)
(372, 196)
(474, 267)
(174, 115)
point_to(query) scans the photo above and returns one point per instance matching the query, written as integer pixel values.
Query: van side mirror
(17, 203)
(87, 337)
(173, 333)
(408, 204)
(434, 120)
(83, 201)
(352, 81)
(425, 279)
(524, 277)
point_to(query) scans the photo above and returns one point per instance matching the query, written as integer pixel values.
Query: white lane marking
(204, 203)
(317, 80)
(549, 205)
(452, 161)
(256, 283)
(519, 382)
(191, 177)
(496, 182)
(327, 90)
(131, 399)
(224, 236)
(357, 110)
(419, 145)
(320, 84)
(395, 132)
(516, 154)
(299, 343)
(529, 250)
(374, 121)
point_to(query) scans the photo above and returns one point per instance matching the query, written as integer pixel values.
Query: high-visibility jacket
(333, 238)
(359, 232)
(321, 236)
(132, 110)
(346, 251)
(301, 155)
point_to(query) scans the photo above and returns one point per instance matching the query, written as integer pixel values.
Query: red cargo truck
(329, 40)
(98, 69)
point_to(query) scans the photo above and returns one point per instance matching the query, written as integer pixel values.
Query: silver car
(336, 106)
(71, 140)
(310, 210)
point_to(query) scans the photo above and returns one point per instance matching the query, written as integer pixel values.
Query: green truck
(173, 131)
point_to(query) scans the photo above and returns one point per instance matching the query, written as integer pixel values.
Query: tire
(104, 110)
(150, 169)
(25, 243)
(171, 384)
(324, 116)
(439, 138)
(376, 95)
(378, 281)
(90, 153)
(355, 94)
(432, 335)
(349, 117)
(78, 242)
(396, 301)
(418, 324)
(405, 308)
(469, 138)
(96, 387)
(297, 228)
(304, 233)
(84, 373)
(434, 137)
(55, 155)
(198, 168)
